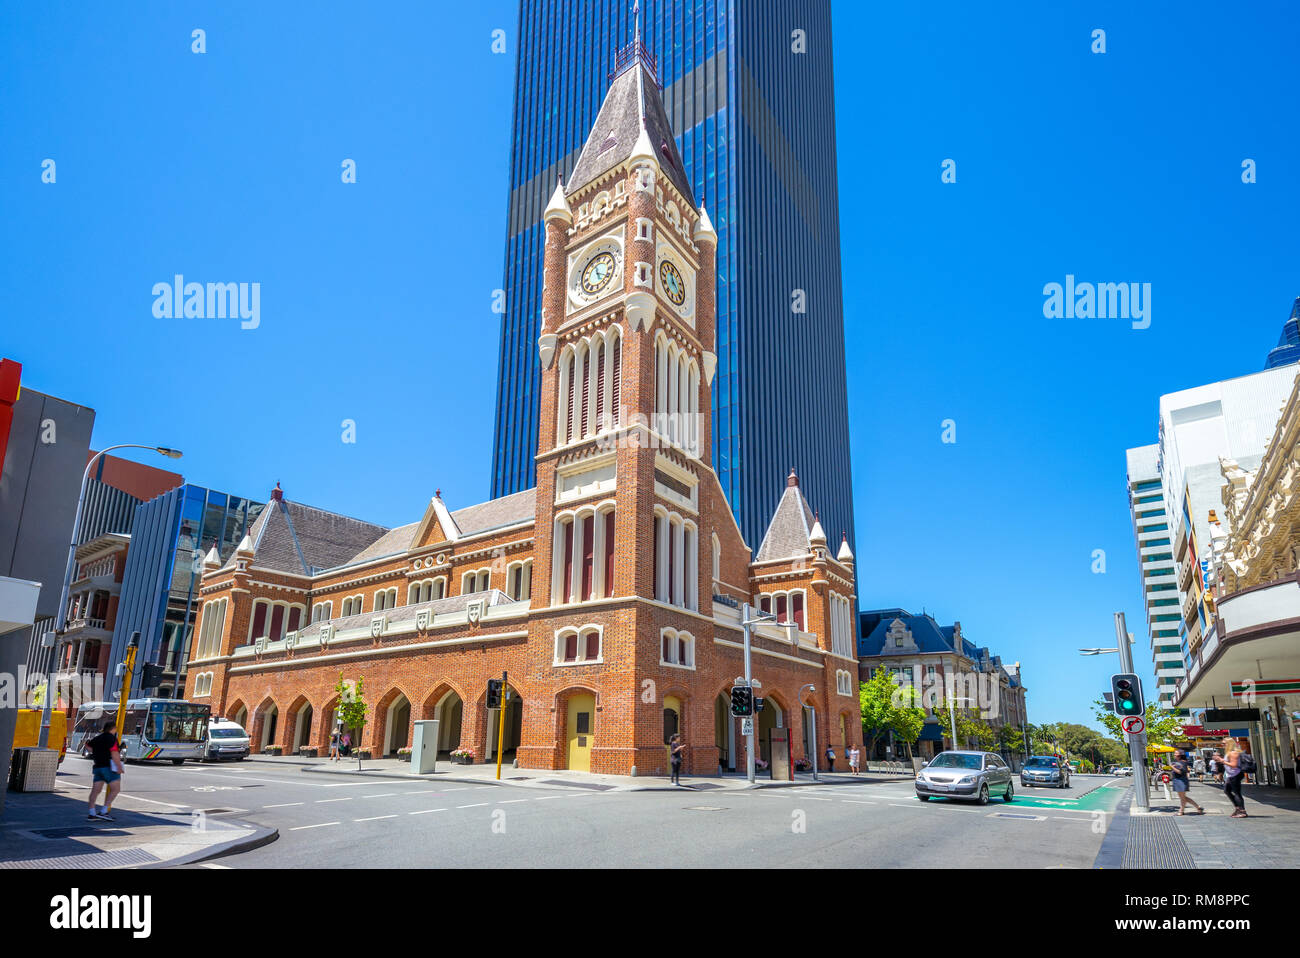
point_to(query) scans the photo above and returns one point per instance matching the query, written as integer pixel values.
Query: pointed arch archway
(266, 724)
(392, 726)
(300, 716)
(446, 704)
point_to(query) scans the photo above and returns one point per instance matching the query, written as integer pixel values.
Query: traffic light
(151, 676)
(1127, 690)
(1109, 701)
(742, 700)
(494, 693)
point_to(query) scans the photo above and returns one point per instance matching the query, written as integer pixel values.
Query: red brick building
(610, 591)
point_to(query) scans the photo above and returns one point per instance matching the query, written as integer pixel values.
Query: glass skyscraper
(748, 89)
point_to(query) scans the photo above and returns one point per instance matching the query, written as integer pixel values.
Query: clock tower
(625, 485)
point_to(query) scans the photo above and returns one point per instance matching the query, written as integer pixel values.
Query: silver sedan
(971, 776)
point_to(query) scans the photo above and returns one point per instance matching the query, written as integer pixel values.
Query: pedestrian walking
(855, 758)
(1233, 776)
(1216, 768)
(676, 750)
(1199, 768)
(334, 744)
(830, 758)
(345, 742)
(1182, 781)
(106, 771)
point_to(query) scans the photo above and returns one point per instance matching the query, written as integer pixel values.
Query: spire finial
(636, 15)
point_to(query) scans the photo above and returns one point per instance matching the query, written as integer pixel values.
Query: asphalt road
(330, 821)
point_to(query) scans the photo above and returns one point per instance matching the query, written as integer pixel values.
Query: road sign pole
(1136, 743)
(749, 680)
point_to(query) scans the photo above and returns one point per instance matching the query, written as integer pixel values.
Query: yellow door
(582, 723)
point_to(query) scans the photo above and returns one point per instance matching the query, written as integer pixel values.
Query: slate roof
(791, 527)
(494, 513)
(390, 543)
(291, 537)
(633, 102)
(928, 635)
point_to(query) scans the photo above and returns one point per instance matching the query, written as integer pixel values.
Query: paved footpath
(50, 830)
(1268, 838)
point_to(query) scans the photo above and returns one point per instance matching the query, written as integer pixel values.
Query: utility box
(34, 769)
(424, 747)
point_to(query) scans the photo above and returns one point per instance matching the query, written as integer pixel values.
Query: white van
(226, 739)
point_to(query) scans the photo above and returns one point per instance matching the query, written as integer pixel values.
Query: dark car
(1045, 770)
(965, 775)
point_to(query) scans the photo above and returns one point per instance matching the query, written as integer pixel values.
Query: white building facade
(1153, 535)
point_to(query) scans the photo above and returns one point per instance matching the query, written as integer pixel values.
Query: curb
(236, 846)
(1111, 853)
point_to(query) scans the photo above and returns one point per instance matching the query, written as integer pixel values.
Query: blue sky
(376, 297)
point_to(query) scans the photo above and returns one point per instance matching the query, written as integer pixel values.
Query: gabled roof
(633, 106)
(928, 634)
(790, 531)
(506, 511)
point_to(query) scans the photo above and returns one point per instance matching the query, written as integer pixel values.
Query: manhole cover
(704, 786)
(1032, 818)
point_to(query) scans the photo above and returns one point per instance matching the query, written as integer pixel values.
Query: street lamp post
(1136, 743)
(61, 614)
(952, 715)
(746, 623)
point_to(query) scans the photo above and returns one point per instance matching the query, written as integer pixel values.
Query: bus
(155, 729)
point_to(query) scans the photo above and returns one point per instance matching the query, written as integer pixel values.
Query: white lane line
(380, 795)
(427, 811)
(321, 825)
(213, 865)
(475, 805)
(373, 818)
(283, 805)
(138, 798)
(854, 801)
(513, 801)
(814, 798)
(897, 805)
(547, 798)
(322, 801)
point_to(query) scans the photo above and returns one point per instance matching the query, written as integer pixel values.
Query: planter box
(463, 759)
(273, 752)
(307, 751)
(403, 758)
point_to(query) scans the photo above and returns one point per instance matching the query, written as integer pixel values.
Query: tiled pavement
(1268, 838)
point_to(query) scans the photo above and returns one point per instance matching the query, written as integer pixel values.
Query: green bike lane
(1081, 796)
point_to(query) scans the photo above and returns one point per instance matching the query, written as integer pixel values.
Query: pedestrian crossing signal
(742, 700)
(494, 693)
(151, 676)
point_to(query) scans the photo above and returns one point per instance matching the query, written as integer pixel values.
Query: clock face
(672, 282)
(597, 273)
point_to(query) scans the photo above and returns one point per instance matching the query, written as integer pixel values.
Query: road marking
(373, 818)
(814, 798)
(321, 825)
(427, 811)
(322, 801)
(213, 865)
(380, 795)
(513, 801)
(475, 805)
(150, 800)
(854, 801)
(897, 805)
(283, 805)
(547, 798)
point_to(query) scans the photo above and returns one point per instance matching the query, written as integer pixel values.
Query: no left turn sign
(1132, 724)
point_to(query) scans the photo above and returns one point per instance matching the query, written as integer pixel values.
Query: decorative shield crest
(422, 619)
(259, 646)
(326, 633)
(290, 640)
(475, 610)
(377, 626)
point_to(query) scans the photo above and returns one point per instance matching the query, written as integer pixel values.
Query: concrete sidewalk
(1268, 838)
(485, 774)
(50, 830)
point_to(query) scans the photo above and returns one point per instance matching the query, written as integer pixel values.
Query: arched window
(583, 555)
(676, 648)
(578, 646)
(717, 557)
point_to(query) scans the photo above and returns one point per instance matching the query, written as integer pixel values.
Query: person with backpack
(1239, 764)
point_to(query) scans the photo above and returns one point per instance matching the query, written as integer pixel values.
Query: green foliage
(886, 707)
(1160, 724)
(972, 731)
(352, 704)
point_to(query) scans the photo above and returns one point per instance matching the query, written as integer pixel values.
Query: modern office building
(1287, 349)
(1198, 427)
(159, 593)
(1154, 540)
(748, 89)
